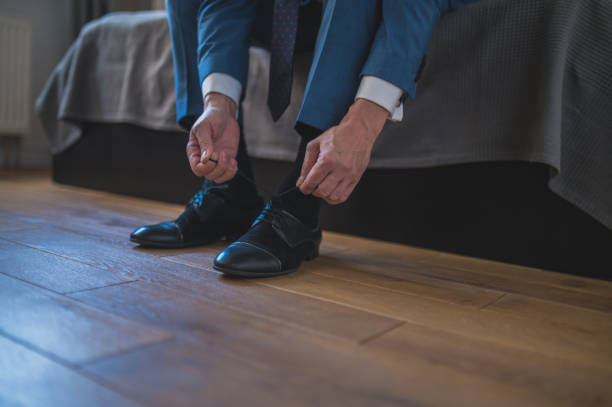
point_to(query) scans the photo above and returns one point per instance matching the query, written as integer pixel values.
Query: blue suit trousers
(356, 37)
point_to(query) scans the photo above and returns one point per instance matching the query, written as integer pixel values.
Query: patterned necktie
(284, 29)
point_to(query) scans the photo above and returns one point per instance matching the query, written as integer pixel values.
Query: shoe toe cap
(246, 259)
(162, 233)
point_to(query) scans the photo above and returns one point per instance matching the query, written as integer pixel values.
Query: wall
(52, 35)
(53, 25)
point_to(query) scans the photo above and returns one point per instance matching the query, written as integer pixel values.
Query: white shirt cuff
(384, 94)
(225, 84)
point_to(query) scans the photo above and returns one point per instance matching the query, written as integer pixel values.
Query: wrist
(368, 115)
(221, 102)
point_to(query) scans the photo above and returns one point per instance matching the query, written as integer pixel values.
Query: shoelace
(268, 213)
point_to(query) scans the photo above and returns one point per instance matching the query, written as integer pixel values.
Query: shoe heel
(314, 253)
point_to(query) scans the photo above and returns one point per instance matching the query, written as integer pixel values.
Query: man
(367, 56)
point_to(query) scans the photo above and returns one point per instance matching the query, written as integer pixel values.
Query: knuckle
(310, 189)
(327, 190)
(326, 163)
(309, 186)
(322, 193)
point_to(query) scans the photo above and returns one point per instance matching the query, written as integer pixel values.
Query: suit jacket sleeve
(224, 31)
(402, 39)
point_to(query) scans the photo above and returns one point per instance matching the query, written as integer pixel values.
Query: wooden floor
(87, 318)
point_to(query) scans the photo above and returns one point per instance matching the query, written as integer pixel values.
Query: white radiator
(15, 56)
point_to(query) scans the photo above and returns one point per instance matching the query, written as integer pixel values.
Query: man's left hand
(336, 160)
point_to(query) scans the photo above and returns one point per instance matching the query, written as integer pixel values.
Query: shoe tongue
(277, 203)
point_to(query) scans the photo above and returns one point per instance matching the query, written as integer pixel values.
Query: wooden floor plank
(66, 328)
(499, 278)
(525, 274)
(505, 281)
(84, 211)
(585, 336)
(8, 223)
(51, 271)
(333, 319)
(98, 222)
(217, 341)
(363, 248)
(30, 379)
(31, 197)
(214, 373)
(554, 314)
(412, 285)
(572, 343)
(320, 380)
(566, 382)
(406, 283)
(471, 270)
(194, 375)
(393, 254)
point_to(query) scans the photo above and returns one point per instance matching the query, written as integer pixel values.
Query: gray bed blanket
(119, 69)
(527, 80)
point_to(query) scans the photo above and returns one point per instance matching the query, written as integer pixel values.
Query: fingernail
(203, 155)
(299, 181)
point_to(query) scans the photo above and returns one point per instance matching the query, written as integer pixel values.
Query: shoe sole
(154, 245)
(240, 273)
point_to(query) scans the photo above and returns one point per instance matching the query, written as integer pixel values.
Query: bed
(504, 154)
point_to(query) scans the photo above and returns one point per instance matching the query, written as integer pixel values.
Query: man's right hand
(214, 137)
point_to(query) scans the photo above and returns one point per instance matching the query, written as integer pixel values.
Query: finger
(199, 137)
(315, 176)
(224, 176)
(348, 191)
(223, 163)
(229, 174)
(193, 153)
(339, 192)
(202, 134)
(203, 170)
(312, 153)
(206, 154)
(327, 186)
(209, 156)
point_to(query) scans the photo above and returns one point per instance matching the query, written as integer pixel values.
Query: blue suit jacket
(383, 38)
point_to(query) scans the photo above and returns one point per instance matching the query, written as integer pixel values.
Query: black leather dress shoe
(276, 244)
(211, 215)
